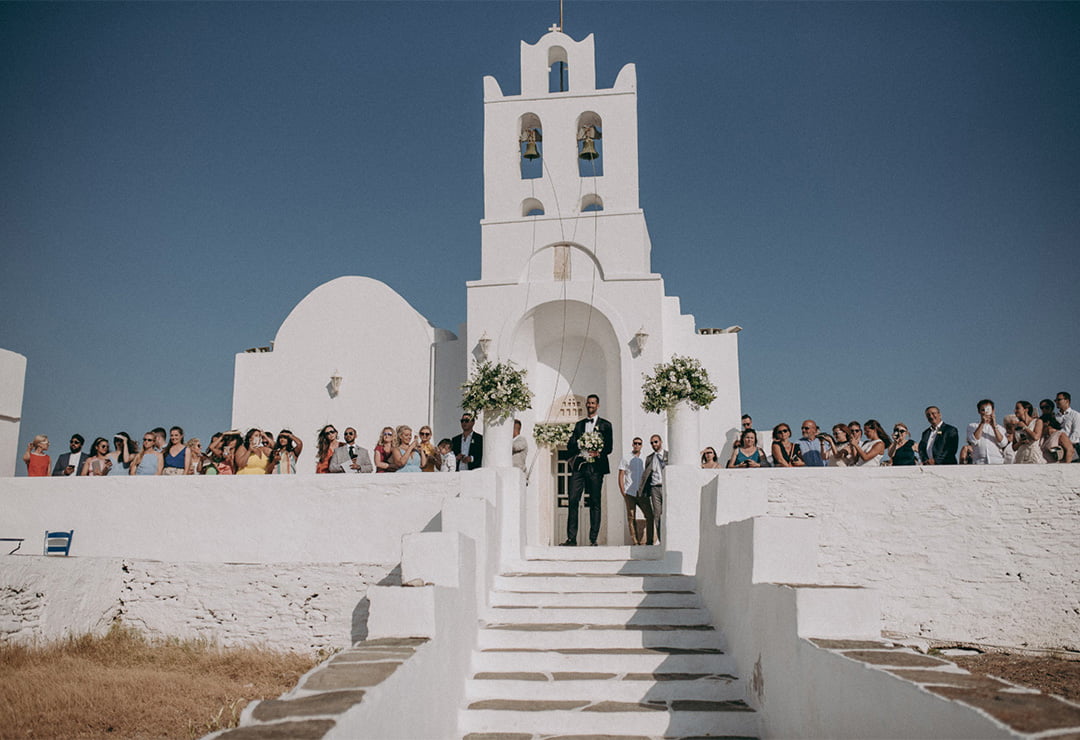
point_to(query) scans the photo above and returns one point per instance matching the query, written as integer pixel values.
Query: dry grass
(124, 686)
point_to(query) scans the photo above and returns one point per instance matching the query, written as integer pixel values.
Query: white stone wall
(222, 519)
(286, 606)
(12, 379)
(983, 554)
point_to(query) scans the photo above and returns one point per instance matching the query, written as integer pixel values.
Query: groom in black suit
(587, 471)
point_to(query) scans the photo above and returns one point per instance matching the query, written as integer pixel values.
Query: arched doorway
(570, 350)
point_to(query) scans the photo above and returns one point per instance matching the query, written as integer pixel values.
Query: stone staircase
(589, 642)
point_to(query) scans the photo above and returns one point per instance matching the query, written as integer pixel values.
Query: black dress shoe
(592, 544)
(568, 543)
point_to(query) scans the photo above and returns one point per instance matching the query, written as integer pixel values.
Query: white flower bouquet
(498, 389)
(682, 379)
(552, 435)
(591, 442)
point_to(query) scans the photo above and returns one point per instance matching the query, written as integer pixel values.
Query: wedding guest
(811, 448)
(708, 459)
(406, 454)
(327, 446)
(175, 453)
(230, 441)
(469, 445)
(194, 457)
(253, 456)
(124, 450)
(350, 457)
(1056, 446)
(986, 437)
(149, 460)
(70, 463)
(286, 451)
(384, 451)
(519, 449)
(427, 446)
(872, 449)
(748, 454)
(1009, 454)
(785, 453)
(902, 448)
(98, 463)
(1027, 434)
(447, 459)
(841, 452)
(939, 441)
(631, 468)
(36, 457)
(160, 437)
(1068, 416)
(213, 456)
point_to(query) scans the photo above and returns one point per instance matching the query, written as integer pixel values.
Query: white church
(566, 291)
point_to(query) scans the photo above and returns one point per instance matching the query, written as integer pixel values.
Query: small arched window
(592, 202)
(531, 146)
(590, 145)
(532, 207)
(558, 70)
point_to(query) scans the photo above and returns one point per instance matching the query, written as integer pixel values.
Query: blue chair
(58, 543)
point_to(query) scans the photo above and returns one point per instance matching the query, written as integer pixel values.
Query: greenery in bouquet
(552, 435)
(682, 379)
(591, 442)
(498, 389)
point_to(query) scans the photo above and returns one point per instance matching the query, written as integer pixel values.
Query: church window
(531, 146)
(562, 262)
(532, 207)
(590, 145)
(592, 202)
(558, 70)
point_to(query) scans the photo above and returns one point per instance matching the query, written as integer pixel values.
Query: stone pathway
(308, 712)
(589, 644)
(1026, 711)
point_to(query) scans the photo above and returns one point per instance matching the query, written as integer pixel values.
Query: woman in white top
(1056, 447)
(1026, 435)
(841, 452)
(872, 449)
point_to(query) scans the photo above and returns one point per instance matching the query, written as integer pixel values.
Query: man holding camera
(986, 437)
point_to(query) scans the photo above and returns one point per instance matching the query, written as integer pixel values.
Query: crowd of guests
(1023, 437)
(258, 452)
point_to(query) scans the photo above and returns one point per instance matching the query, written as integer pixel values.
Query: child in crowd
(447, 461)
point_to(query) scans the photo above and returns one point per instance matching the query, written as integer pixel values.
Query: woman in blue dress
(408, 455)
(149, 461)
(748, 454)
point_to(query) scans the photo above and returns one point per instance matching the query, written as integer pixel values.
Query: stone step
(581, 717)
(597, 615)
(610, 567)
(616, 553)
(611, 660)
(558, 637)
(588, 583)
(598, 686)
(604, 599)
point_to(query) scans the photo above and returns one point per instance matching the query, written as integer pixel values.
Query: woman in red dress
(37, 462)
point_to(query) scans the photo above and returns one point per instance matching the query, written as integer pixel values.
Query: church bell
(531, 151)
(588, 150)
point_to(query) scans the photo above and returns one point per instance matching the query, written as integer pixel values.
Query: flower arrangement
(552, 435)
(591, 442)
(682, 379)
(498, 389)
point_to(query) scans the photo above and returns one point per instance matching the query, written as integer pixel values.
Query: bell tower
(560, 169)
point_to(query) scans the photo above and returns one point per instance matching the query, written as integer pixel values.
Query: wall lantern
(640, 339)
(334, 387)
(483, 344)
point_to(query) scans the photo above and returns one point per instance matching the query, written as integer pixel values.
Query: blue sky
(884, 195)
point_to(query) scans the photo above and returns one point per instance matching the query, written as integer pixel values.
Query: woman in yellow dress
(253, 455)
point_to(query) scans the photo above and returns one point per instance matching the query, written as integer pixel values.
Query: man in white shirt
(630, 471)
(519, 449)
(987, 438)
(651, 487)
(1069, 418)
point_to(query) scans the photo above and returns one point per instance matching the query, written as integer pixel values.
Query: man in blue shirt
(811, 446)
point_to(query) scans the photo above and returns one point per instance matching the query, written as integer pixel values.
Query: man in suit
(651, 488)
(587, 471)
(939, 441)
(70, 462)
(351, 457)
(468, 447)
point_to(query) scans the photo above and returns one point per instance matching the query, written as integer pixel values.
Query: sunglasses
(783, 431)
(425, 434)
